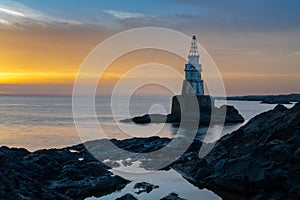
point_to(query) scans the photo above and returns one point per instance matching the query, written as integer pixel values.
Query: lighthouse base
(184, 104)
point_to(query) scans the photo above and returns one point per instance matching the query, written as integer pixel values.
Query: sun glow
(35, 77)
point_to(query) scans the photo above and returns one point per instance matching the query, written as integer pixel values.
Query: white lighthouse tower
(193, 84)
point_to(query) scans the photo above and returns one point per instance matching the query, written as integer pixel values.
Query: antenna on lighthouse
(194, 48)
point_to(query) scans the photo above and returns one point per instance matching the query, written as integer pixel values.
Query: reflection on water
(168, 181)
(35, 122)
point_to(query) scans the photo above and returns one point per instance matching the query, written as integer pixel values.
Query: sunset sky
(255, 44)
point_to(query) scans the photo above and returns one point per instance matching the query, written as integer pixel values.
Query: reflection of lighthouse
(193, 84)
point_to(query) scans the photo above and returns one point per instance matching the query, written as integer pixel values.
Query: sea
(44, 122)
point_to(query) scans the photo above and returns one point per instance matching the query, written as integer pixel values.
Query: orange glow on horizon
(52, 56)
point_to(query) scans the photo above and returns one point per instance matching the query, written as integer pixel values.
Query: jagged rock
(127, 197)
(144, 187)
(54, 174)
(232, 114)
(172, 196)
(260, 159)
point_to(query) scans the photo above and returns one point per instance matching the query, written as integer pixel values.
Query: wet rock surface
(127, 197)
(260, 160)
(172, 196)
(144, 187)
(54, 174)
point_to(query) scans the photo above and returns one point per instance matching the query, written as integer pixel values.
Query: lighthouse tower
(193, 84)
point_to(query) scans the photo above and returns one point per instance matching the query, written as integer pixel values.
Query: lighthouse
(193, 83)
(192, 86)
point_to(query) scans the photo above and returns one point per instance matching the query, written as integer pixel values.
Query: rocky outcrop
(232, 116)
(260, 160)
(54, 174)
(172, 196)
(269, 99)
(127, 197)
(144, 187)
(184, 108)
(274, 101)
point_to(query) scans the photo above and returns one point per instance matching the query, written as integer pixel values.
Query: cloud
(4, 22)
(11, 12)
(297, 53)
(260, 15)
(124, 15)
(17, 15)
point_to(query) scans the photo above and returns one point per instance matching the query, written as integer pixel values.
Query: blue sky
(266, 15)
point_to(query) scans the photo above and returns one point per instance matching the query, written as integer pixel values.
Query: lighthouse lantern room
(193, 83)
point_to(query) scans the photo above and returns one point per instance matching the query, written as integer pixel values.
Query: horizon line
(145, 95)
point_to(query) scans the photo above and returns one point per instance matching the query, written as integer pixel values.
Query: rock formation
(270, 99)
(54, 174)
(227, 114)
(172, 196)
(127, 197)
(261, 159)
(144, 187)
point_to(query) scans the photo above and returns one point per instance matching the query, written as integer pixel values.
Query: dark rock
(183, 108)
(145, 119)
(172, 196)
(270, 99)
(142, 145)
(260, 159)
(137, 146)
(127, 197)
(144, 187)
(54, 174)
(274, 101)
(232, 114)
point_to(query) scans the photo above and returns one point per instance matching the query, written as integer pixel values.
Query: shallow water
(168, 181)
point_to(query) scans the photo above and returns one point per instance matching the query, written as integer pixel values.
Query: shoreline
(267, 99)
(228, 162)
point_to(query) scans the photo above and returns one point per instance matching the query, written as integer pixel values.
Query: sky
(255, 44)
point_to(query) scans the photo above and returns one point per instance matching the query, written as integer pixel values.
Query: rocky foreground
(54, 174)
(261, 160)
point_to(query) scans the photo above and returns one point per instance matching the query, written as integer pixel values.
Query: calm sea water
(38, 122)
(34, 122)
